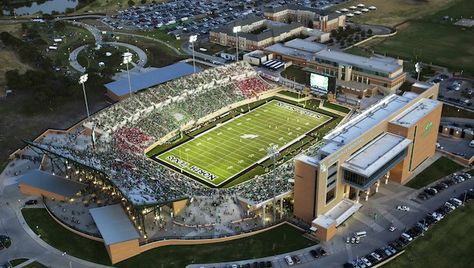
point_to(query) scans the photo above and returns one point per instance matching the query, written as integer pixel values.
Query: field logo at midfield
(298, 110)
(195, 169)
(249, 136)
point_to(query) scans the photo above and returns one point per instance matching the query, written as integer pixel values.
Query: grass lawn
(295, 73)
(430, 39)
(229, 149)
(90, 57)
(158, 54)
(392, 12)
(164, 36)
(282, 239)
(57, 236)
(35, 264)
(212, 48)
(15, 262)
(292, 94)
(452, 111)
(440, 168)
(447, 244)
(336, 107)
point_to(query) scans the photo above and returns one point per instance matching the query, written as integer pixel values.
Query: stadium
(206, 156)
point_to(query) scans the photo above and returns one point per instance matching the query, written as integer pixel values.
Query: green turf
(230, 148)
(440, 168)
(336, 107)
(448, 244)
(282, 239)
(292, 94)
(57, 236)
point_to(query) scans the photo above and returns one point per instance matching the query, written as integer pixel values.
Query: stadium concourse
(109, 152)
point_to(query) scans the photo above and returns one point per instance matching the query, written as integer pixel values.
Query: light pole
(82, 80)
(236, 30)
(272, 152)
(418, 70)
(192, 40)
(127, 58)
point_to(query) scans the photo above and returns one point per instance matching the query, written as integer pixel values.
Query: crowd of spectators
(133, 124)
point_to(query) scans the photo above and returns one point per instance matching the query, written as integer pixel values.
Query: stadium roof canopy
(51, 183)
(140, 81)
(113, 224)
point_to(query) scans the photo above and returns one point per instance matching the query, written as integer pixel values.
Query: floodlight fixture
(83, 78)
(192, 38)
(127, 57)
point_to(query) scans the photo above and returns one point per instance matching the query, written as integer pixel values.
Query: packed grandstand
(123, 131)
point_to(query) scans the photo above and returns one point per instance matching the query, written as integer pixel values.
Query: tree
(131, 3)
(143, 2)
(369, 31)
(310, 24)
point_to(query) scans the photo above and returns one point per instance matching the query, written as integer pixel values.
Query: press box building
(388, 141)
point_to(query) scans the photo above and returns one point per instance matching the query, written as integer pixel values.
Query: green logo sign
(428, 128)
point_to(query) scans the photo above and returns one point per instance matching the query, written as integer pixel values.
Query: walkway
(25, 243)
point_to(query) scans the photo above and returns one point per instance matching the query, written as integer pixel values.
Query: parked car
(31, 202)
(392, 228)
(289, 261)
(296, 259)
(366, 261)
(376, 256)
(406, 236)
(403, 208)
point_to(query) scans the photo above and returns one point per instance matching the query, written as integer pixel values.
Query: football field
(229, 148)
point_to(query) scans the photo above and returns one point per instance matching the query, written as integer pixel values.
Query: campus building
(383, 72)
(388, 141)
(310, 17)
(255, 33)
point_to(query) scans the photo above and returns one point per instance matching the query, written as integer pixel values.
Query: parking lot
(456, 91)
(183, 18)
(375, 218)
(456, 146)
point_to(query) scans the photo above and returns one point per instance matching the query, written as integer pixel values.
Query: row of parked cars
(295, 259)
(419, 228)
(414, 232)
(434, 190)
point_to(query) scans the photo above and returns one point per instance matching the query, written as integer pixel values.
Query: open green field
(57, 236)
(431, 39)
(393, 12)
(284, 238)
(440, 168)
(228, 149)
(447, 244)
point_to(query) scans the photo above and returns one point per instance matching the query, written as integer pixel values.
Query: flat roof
(416, 112)
(140, 81)
(305, 45)
(338, 214)
(360, 124)
(376, 63)
(293, 52)
(113, 224)
(376, 154)
(51, 183)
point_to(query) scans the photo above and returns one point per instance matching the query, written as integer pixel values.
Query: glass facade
(363, 182)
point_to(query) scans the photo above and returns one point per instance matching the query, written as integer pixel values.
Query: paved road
(143, 58)
(25, 243)
(383, 204)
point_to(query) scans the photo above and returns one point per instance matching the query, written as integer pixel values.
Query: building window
(330, 195)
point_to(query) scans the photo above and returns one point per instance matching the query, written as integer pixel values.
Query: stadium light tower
(237, 30)
(127, 58)
(272, 153)
(82, 81)
(192, 40)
